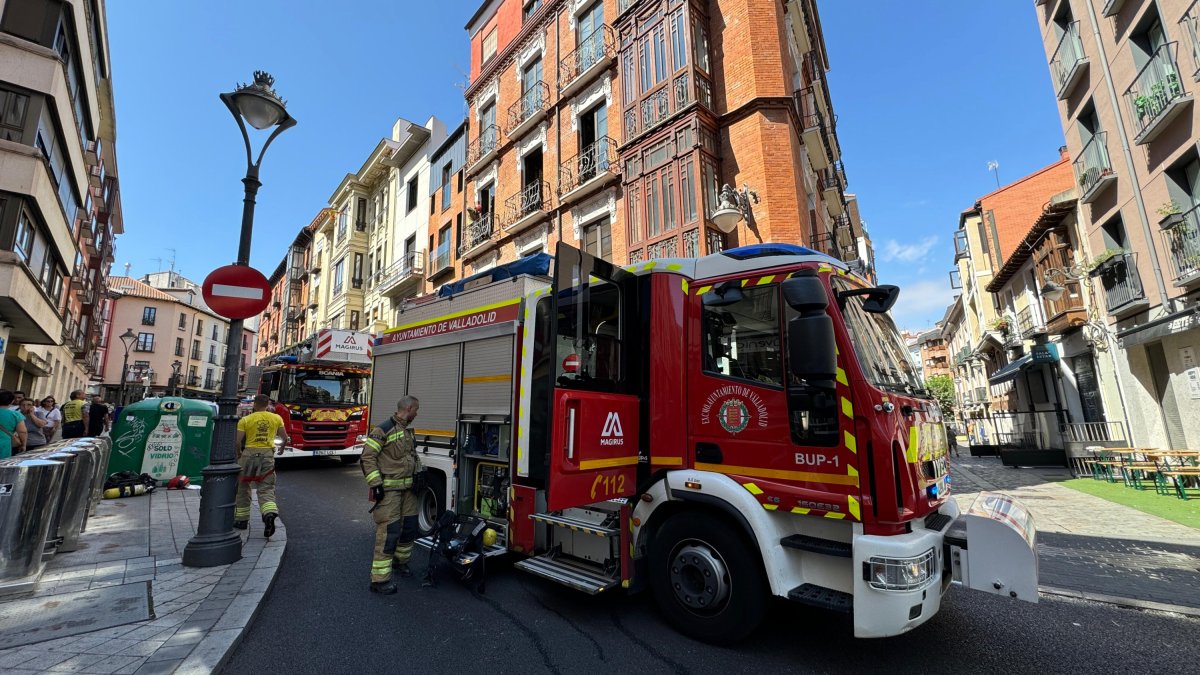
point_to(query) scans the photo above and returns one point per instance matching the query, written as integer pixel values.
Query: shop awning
(1011, 370)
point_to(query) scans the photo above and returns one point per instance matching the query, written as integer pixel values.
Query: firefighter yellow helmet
(489, 537)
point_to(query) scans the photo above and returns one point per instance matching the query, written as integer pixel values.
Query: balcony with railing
(824, 242)
(528, 110)
(1069, 62)
(442, 262)
(527, 207)
(843, 228)
(484, 148)
(832, 188)
(817, 130)
(1156, 96)
(1181, 237)
(1123, 293)
(1030, 322)
(1093, 168)
(1068, 311)
(594, 53)
(594, 167)
(403, 277)
(477, 236)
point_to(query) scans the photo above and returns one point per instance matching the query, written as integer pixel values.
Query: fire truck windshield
(877, 343)
(323, 387)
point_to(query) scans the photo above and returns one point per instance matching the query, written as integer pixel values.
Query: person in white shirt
(49, 413)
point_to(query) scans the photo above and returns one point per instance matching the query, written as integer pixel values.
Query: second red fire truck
(717, 430)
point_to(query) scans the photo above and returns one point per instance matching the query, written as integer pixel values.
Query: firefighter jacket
(389, 456)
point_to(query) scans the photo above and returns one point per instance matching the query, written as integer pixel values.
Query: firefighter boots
(269, 525)
(383, 587)
(241, 524)
(401, 569)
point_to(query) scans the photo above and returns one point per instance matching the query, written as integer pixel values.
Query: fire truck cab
(717, 430)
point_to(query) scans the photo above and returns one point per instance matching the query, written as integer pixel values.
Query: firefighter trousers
(258, 473)
(395, 531)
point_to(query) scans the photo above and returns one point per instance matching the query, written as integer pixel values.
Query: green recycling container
(163, 437)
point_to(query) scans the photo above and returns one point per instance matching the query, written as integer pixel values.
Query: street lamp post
(127, 338)
(175, 366)
(215, 542)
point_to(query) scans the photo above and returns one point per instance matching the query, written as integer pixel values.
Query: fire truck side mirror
(723, 295)
(812, 351)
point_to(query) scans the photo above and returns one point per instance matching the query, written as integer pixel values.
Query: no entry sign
(236, 291)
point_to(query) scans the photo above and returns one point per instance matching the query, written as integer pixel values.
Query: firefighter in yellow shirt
(256, 446)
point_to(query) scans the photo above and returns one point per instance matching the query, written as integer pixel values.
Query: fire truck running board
(576, 576)
(574, 524)
(825, 598)
(817, 545)
(488, 551)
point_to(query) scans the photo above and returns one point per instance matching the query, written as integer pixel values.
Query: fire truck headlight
(901, 574)
(354, 417)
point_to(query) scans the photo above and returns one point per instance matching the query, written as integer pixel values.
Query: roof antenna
(127, 266)
(994, 167)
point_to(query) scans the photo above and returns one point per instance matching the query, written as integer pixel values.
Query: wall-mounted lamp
(733, 207)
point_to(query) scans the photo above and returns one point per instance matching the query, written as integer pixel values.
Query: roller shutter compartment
(388, 382)
(434, 379)
(487, 382)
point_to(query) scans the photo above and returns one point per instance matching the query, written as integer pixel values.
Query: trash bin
(100, 448)
(29, 492)
(71, 510)
(163, 437)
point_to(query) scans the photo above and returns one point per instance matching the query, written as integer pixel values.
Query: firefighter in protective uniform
(391, 465)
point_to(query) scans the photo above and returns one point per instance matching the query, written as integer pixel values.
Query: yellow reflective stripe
(667, 461)
(824, 268)
(685, 286)
(841, 377)
(835, 516)
(745, 282)
(765, 280)
(397, 482)
(268, 506)
(851, 444)
(373, 476)
(855, 510)
(381, 564)
(770, 507)
(487, 378)
(703, 289)
(800, 511)
(608, 463)
(912, 444)
(455, 315)
(650, 265)
(433, 432)
(754, 489)
(372, 443)
(807, 476)
(847, 407)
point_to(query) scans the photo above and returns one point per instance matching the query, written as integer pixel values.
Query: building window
(216, 333)
(597, 238)
(412, 194)
(632, 198)
(148, 316)
(447, 174)
(196, 349)
(31, 19)
(356, 280)
(489, 46)
(13, 109)
(339, 276)
(531, 7)
(700, 43)
(183, 321)
(178, 346)
(47, 141)
(343, 219)
(354, 319)
(200, 327)
(145, 342)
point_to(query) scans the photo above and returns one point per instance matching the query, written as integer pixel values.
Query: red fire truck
(717, 430)
(321, 393)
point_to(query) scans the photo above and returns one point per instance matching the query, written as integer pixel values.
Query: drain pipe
(1163, 300)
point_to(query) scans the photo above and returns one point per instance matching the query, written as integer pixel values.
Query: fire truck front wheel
(706, 580)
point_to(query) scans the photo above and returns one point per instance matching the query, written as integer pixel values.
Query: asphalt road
(320, 618)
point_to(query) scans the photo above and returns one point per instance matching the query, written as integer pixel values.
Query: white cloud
(894, 250)
(922, 303)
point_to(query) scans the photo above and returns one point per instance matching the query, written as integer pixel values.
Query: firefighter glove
(377, 493)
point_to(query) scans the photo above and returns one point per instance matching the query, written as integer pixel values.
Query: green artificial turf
(1169, 507)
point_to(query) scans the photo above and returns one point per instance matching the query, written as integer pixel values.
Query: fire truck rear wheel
(431, 502)
(705, 579)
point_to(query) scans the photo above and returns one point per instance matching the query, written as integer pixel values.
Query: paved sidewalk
(1089, 545)
(196, 615)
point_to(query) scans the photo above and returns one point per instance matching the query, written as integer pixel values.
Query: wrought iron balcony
(589, 170)
(528, 110)
(1069, 61)
(594, 53)
(483, 148)
(831, 187)
(824, 242)
(527, 206)
(1093, 168)
(403, 276)
(817, 130)
(1156, 95)
(1123, 292)
(1182, 240)
(477, 236)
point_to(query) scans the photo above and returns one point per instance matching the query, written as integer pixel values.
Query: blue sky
(926, 93)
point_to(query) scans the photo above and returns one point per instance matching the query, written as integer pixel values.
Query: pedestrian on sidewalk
(390, 464)
(256, 434)
(952, 437)
(35, 428)
(99, 417)
(74, 414)
(12, 426)
(51, 415)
